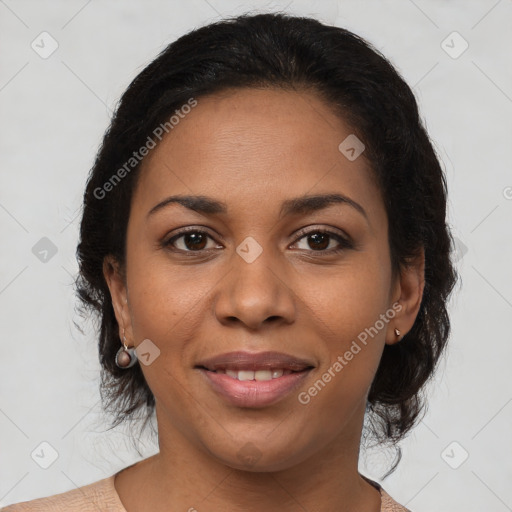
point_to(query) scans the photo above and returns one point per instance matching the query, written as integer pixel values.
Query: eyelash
(344, 243)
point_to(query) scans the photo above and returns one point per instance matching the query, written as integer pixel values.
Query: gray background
(54, 111)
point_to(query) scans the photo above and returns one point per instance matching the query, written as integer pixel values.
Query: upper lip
(255, 361)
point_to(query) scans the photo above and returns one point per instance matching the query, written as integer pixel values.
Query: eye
(190, 240)
(316, 240)
(321, 240)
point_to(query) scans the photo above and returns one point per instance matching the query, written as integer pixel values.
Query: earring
(397, 332)
(126, 357)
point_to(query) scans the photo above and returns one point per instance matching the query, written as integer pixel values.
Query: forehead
(248, 146)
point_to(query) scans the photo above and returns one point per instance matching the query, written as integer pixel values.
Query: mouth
(255, 362)
(260, 375)
(254, 379)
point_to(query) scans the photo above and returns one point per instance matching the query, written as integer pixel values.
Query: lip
(252, 393)
(255, 360)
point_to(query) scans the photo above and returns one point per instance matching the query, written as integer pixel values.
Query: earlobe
(410, 290)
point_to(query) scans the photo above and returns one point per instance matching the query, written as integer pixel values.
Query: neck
(191, 479)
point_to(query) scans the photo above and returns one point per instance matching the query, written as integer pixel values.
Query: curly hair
(363, 88)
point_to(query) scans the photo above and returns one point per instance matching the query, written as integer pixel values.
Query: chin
(260, 454)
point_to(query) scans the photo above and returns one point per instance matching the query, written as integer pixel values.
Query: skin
(253, 149)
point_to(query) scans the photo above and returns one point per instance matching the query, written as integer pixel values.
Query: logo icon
(454, 455)
(454, 45)
(351, 147)
(44, 45)
(249, 454)
(44, 250)
(249, 249)
(147, 352)
(44, 455)
(459, 249)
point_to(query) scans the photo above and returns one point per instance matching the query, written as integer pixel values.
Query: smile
(255, 380)
(259, 375)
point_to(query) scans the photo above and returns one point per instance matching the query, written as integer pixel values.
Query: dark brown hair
(283, 51)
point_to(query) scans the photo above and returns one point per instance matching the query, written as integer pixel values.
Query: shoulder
(388, 504)
(100, 495)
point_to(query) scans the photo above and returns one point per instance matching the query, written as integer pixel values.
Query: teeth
(245, 375)
(276, 373)
(263, 375)
(259, 375)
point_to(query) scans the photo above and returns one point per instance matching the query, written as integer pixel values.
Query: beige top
(102, 495)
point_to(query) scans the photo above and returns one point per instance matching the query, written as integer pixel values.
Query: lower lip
(253, 393)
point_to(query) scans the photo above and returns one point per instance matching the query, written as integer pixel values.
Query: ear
(409, 293)
(116, 281)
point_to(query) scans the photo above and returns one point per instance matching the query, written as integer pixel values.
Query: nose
(255, 294)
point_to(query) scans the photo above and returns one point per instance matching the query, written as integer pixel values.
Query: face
(255, 267)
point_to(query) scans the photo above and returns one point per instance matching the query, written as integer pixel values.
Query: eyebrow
(298, 205)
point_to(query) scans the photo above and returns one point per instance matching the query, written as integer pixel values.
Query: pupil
(318, 237)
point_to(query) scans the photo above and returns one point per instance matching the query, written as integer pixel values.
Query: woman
(265, 243)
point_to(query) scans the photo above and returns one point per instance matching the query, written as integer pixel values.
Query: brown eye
(190, 241)
(323, 242)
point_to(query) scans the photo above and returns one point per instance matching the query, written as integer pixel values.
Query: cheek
(166, 299)
(350, 311)
(166, 306)
(351, 358)
(347, 299)
(169, 305)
